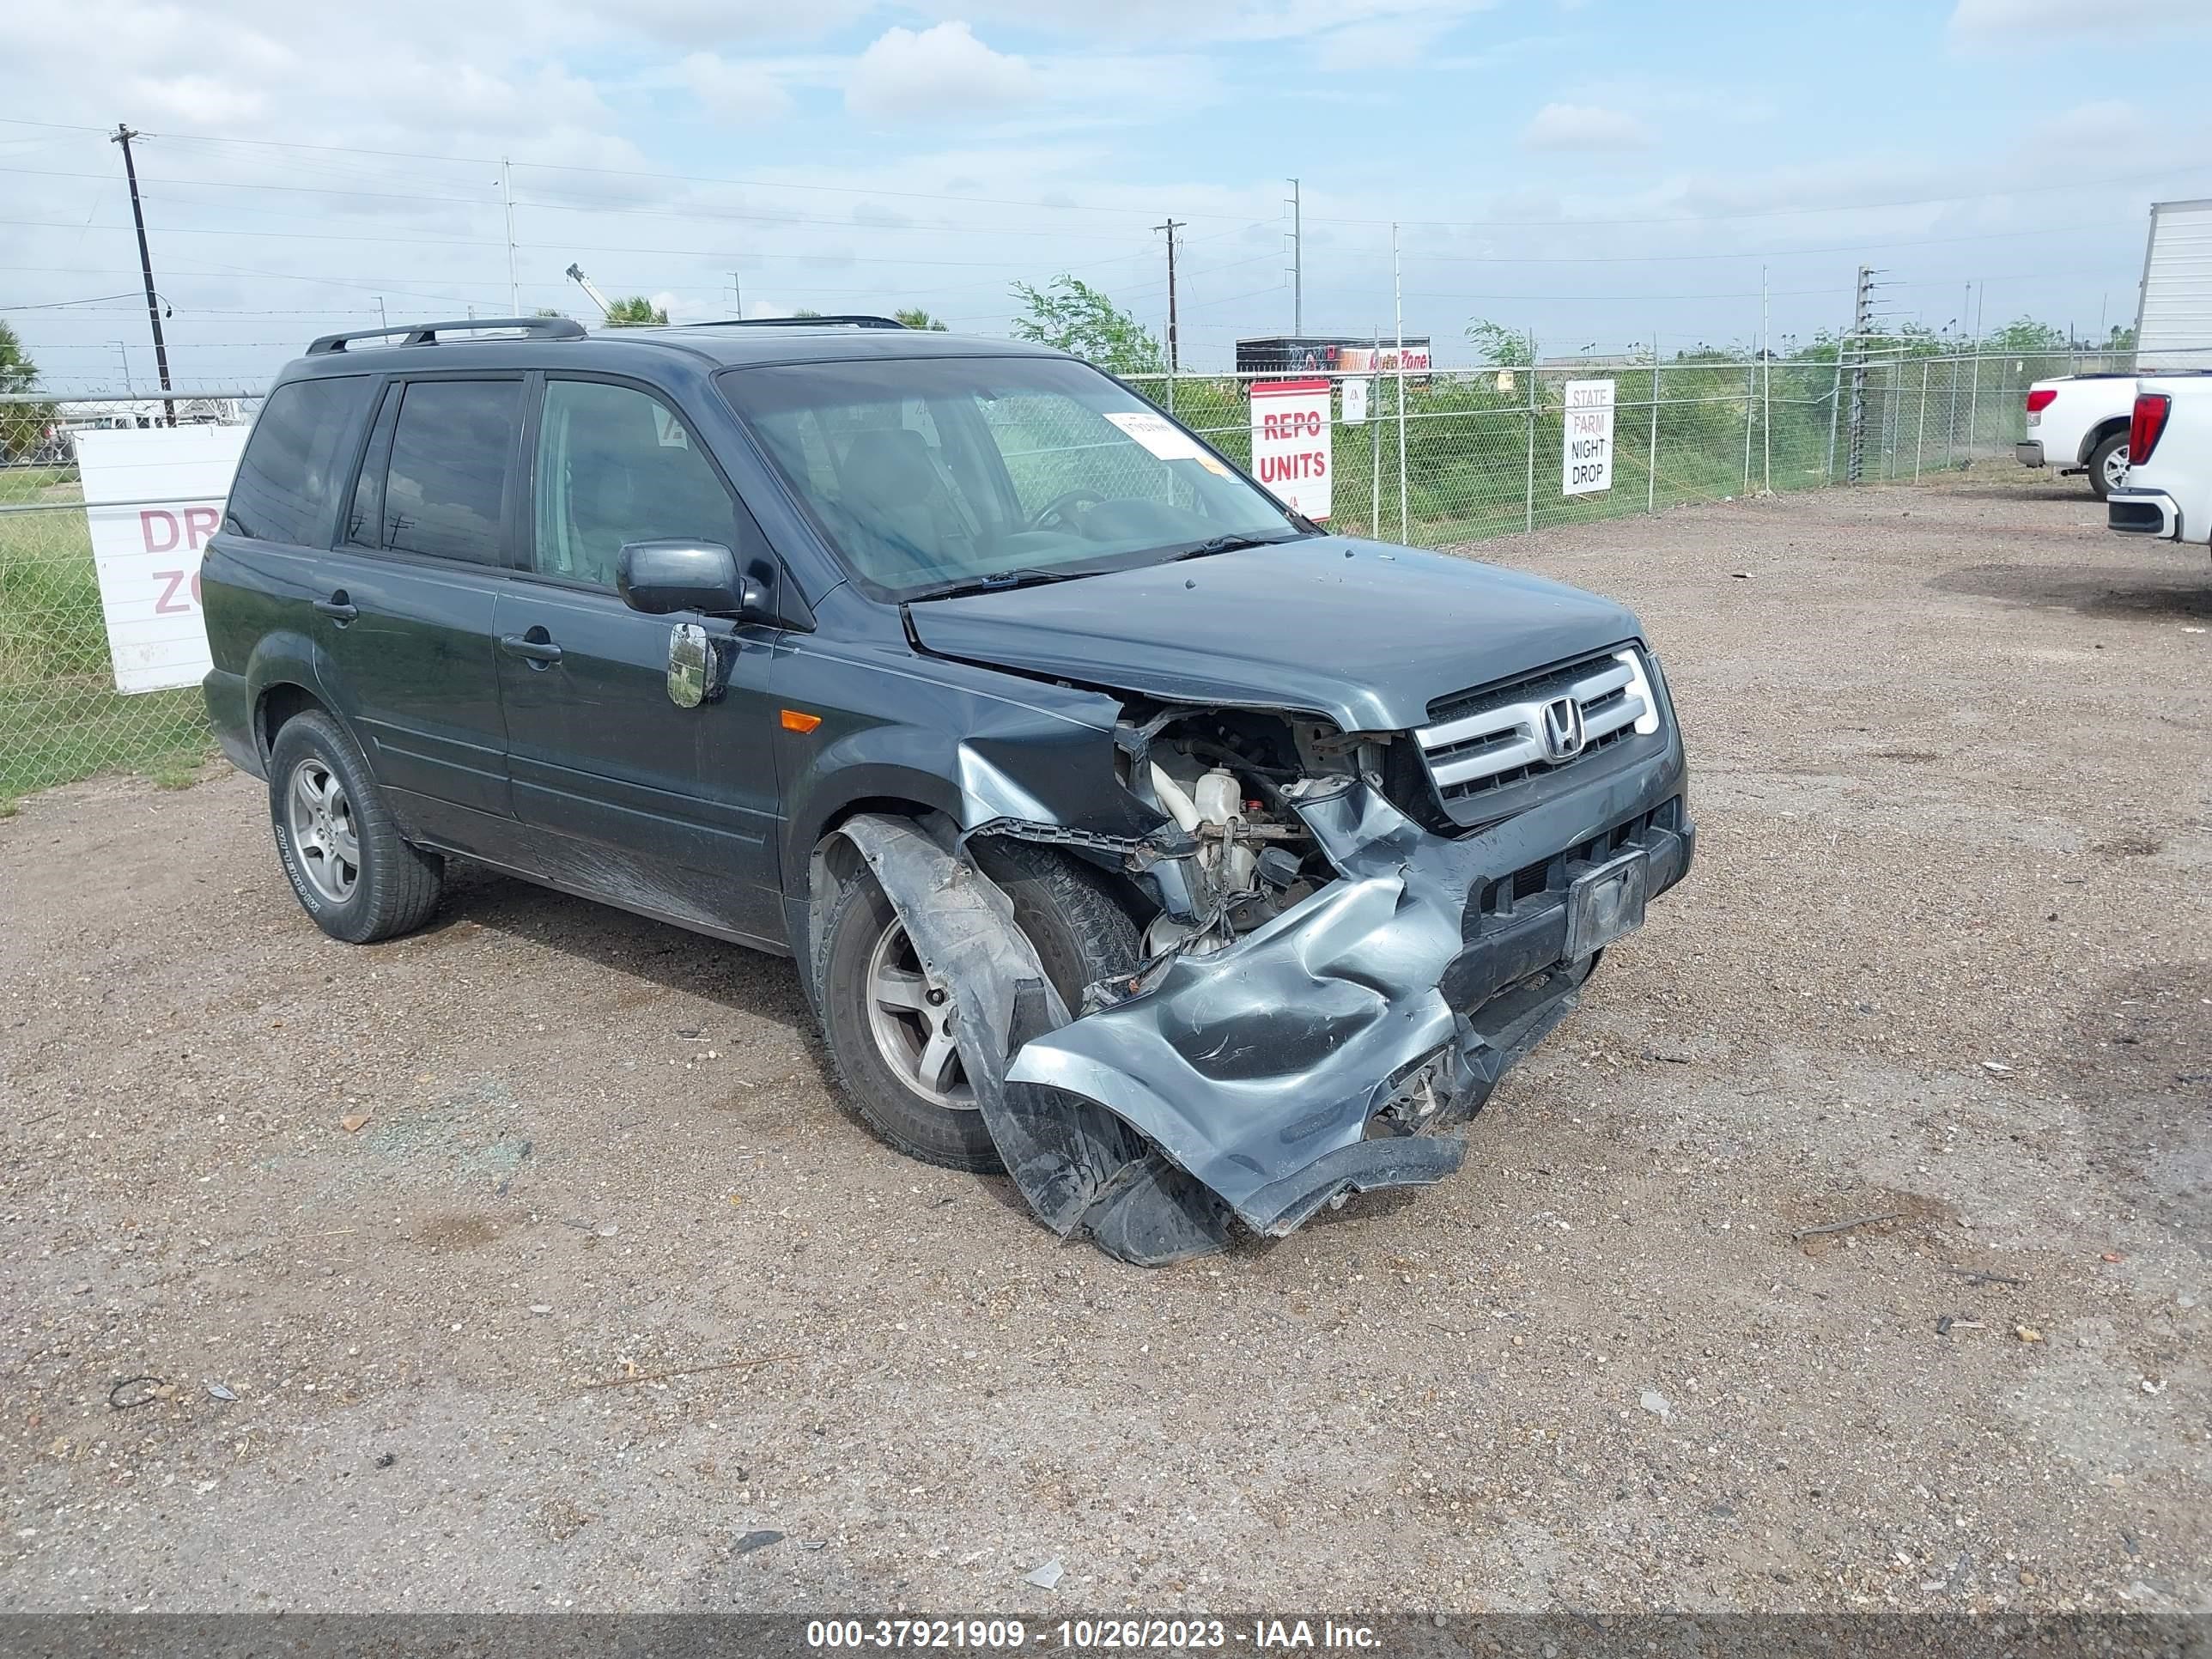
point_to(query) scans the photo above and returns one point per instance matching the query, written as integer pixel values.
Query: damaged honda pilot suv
(1133, 835)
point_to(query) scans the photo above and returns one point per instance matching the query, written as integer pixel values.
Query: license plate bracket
(1606, 903)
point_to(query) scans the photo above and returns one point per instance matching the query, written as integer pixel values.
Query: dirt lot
(1945, 958)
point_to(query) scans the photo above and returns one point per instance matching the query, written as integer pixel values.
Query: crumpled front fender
(1310, 1059)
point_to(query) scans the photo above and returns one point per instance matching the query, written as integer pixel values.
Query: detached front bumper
(1290, 1067)
(1314, 1056)
(2143, 513)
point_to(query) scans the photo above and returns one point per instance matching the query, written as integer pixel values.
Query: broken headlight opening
(1328, 980)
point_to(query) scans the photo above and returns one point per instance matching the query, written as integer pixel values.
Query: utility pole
(1862, 330)
(1297, 262)
(737, 295)
(1174, 358)
(123, 135)
(1175, 354)
(507, 201)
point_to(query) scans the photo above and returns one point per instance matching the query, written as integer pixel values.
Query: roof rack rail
(415, 334)
(845, 319)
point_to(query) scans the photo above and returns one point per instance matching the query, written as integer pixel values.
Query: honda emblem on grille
(1563, 729)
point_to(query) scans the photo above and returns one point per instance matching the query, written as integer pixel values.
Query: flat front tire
(889, 1027)
(350, 868)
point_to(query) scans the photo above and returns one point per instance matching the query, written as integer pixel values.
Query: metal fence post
(1835, 403)
(1766, 421)
(1652, 456)
(1528, 491)
(1973, 407)
(1374, 440)
(1750, 409)
(1922, 433)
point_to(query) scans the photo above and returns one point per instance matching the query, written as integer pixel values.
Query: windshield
(931, 475)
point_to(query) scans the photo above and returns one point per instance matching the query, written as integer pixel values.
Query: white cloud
(2024, 22)
(734, 92)
(1586, 127)
(2096, 129)
(943, 70)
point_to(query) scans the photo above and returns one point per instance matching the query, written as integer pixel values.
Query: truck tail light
(2041, 399)
(2149, 422)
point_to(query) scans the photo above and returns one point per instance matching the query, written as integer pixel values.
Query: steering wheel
(1058, 506)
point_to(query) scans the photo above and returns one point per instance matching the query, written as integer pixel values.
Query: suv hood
(1358, 632)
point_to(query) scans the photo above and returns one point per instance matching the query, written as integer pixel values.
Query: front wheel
(2108, 466)
(890, 1027)
(350, 868)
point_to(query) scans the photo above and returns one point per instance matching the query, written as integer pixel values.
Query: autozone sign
(1290, 442)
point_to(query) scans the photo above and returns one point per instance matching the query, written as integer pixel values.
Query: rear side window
(290, 477)
(453, 451)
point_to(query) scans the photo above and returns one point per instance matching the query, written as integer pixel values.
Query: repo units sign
(1290, 442)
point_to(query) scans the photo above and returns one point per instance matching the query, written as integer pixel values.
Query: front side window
(617, 465)
(929, 475)
(445, 491)
(289, 476)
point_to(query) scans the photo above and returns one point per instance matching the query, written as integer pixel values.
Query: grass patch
(61, 717)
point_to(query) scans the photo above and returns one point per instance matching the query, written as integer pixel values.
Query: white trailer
(2173, 309)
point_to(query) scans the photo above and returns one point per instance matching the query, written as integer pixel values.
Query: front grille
(1478, 742)
(1498, 898)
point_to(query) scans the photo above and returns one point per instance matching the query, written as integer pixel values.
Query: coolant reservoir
(1219, 800)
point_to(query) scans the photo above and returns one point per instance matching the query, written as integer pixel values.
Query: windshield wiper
(1001, 582)
(1228, 544)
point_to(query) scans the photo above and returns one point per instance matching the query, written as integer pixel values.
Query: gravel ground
(608, 1304)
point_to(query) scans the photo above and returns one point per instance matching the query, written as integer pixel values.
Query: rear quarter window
(290, 477)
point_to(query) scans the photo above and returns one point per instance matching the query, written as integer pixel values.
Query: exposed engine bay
(1329, 978)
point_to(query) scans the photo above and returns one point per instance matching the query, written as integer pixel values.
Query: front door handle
(338, 608)
(537, 646)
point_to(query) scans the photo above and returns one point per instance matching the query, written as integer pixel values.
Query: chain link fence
(61, 716)
(1445, 458)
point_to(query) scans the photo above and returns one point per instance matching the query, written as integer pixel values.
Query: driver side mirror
(659, 577)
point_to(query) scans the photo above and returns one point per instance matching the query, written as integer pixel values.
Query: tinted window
(289, 478)
(445, 488)
(615, 465)
(366, 513)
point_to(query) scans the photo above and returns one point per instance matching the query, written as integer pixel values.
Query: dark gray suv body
(1133, 835)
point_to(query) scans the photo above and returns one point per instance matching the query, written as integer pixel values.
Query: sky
(1597, 173)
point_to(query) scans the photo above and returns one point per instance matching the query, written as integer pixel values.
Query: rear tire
(350, 868)
(1069, 916)
(2108, 464)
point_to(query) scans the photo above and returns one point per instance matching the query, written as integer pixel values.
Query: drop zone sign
(152, 496)
(1586, 460)
(1290, 442)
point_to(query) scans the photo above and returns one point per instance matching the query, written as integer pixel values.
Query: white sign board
(1586, 458)
(1355, 403)
(152, 499)
(1290, 442)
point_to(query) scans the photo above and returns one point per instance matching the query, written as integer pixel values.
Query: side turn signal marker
(793, 720)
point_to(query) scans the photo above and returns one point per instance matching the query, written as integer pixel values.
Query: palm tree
(915, 317)
(635, 311)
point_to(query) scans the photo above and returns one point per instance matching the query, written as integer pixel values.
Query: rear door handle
(338, 608)
(529, 650)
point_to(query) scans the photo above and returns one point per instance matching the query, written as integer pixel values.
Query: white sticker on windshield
(1159, 435)
(669, 430)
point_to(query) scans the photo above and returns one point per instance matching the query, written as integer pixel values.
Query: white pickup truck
(2079, 423)
(2168, 488)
